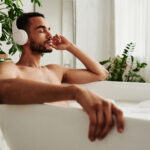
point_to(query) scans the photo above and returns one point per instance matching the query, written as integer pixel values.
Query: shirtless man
(26, 82)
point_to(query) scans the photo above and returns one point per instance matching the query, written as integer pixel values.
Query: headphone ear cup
(20, 37)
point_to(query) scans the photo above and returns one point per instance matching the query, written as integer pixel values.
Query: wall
(94, 28)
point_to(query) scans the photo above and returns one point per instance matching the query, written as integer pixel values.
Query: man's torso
(52, 74)
(43, 74)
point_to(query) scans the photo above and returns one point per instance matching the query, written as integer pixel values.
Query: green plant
(9, 11)
(124, 68)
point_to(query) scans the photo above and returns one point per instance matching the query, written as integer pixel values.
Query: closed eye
(41, 31)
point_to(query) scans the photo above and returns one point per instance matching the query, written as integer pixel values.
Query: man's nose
(49, 35)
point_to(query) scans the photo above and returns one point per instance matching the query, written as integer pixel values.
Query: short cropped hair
(23, 20)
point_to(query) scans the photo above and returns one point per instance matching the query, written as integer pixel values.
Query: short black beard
(38, 48)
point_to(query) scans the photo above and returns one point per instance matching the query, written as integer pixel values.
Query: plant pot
(3, 56)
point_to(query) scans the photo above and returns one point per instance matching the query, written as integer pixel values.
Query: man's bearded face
(41, 47)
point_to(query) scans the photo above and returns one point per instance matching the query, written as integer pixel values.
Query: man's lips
(49, 43)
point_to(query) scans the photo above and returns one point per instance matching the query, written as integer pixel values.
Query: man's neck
(30, 59)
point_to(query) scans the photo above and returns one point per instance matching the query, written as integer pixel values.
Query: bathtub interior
(67, 128)
(132, 98)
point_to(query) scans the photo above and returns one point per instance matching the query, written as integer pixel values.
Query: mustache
(50, 39)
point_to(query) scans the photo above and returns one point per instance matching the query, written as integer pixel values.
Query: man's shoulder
(7, 64)
(7, 69)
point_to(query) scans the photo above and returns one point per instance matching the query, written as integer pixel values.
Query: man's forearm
(89, 63)
(20, 91)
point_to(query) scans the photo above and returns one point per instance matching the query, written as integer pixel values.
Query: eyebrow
(42, 27)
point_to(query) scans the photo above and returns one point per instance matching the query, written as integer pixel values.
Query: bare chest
(41, 75)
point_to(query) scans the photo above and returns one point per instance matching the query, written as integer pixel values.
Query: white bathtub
(47, 127)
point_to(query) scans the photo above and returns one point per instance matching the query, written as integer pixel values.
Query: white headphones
(20, 36)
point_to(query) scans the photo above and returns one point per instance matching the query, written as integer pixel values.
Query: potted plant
(125, 67)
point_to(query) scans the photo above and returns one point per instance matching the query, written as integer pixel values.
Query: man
(26, 82)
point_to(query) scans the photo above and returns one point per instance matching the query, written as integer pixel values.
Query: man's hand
(59, 42)
(100, 114)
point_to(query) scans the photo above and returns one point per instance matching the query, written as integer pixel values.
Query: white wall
(27, 6)
(94, 28)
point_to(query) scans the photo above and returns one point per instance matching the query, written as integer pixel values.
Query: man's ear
(28, 42)
(29, 39)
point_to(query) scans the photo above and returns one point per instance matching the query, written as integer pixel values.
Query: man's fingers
(54, 46)
(100, 120)
(92, 126)
(57, 39)
(108, 120)
(119, 116)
